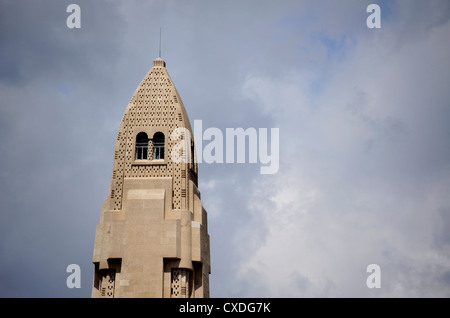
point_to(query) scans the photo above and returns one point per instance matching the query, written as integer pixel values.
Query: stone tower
(152, 239)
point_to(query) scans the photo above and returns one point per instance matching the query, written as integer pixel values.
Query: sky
(363, 117)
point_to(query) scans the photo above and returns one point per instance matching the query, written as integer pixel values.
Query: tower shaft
(152, 239)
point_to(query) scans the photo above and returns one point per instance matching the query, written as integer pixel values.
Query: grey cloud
(35, 41)
(442, 233)
(376, 197)
(445, 278)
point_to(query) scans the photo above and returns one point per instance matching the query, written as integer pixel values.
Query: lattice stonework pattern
(155, 104)
(180, 283)
(107, 283)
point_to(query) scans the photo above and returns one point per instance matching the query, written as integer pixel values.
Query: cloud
(37, 44)
(50, 139)
(327, 232)
(363, 177)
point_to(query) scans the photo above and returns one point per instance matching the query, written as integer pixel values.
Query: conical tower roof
(155, 106)
(158, 93)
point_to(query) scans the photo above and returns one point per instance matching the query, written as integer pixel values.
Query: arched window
(158, 145)
(142, 146)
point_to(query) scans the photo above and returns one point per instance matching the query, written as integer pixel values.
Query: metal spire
(159, 41)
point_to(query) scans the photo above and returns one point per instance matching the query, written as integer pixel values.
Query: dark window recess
(158, 145)
(142, 146)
